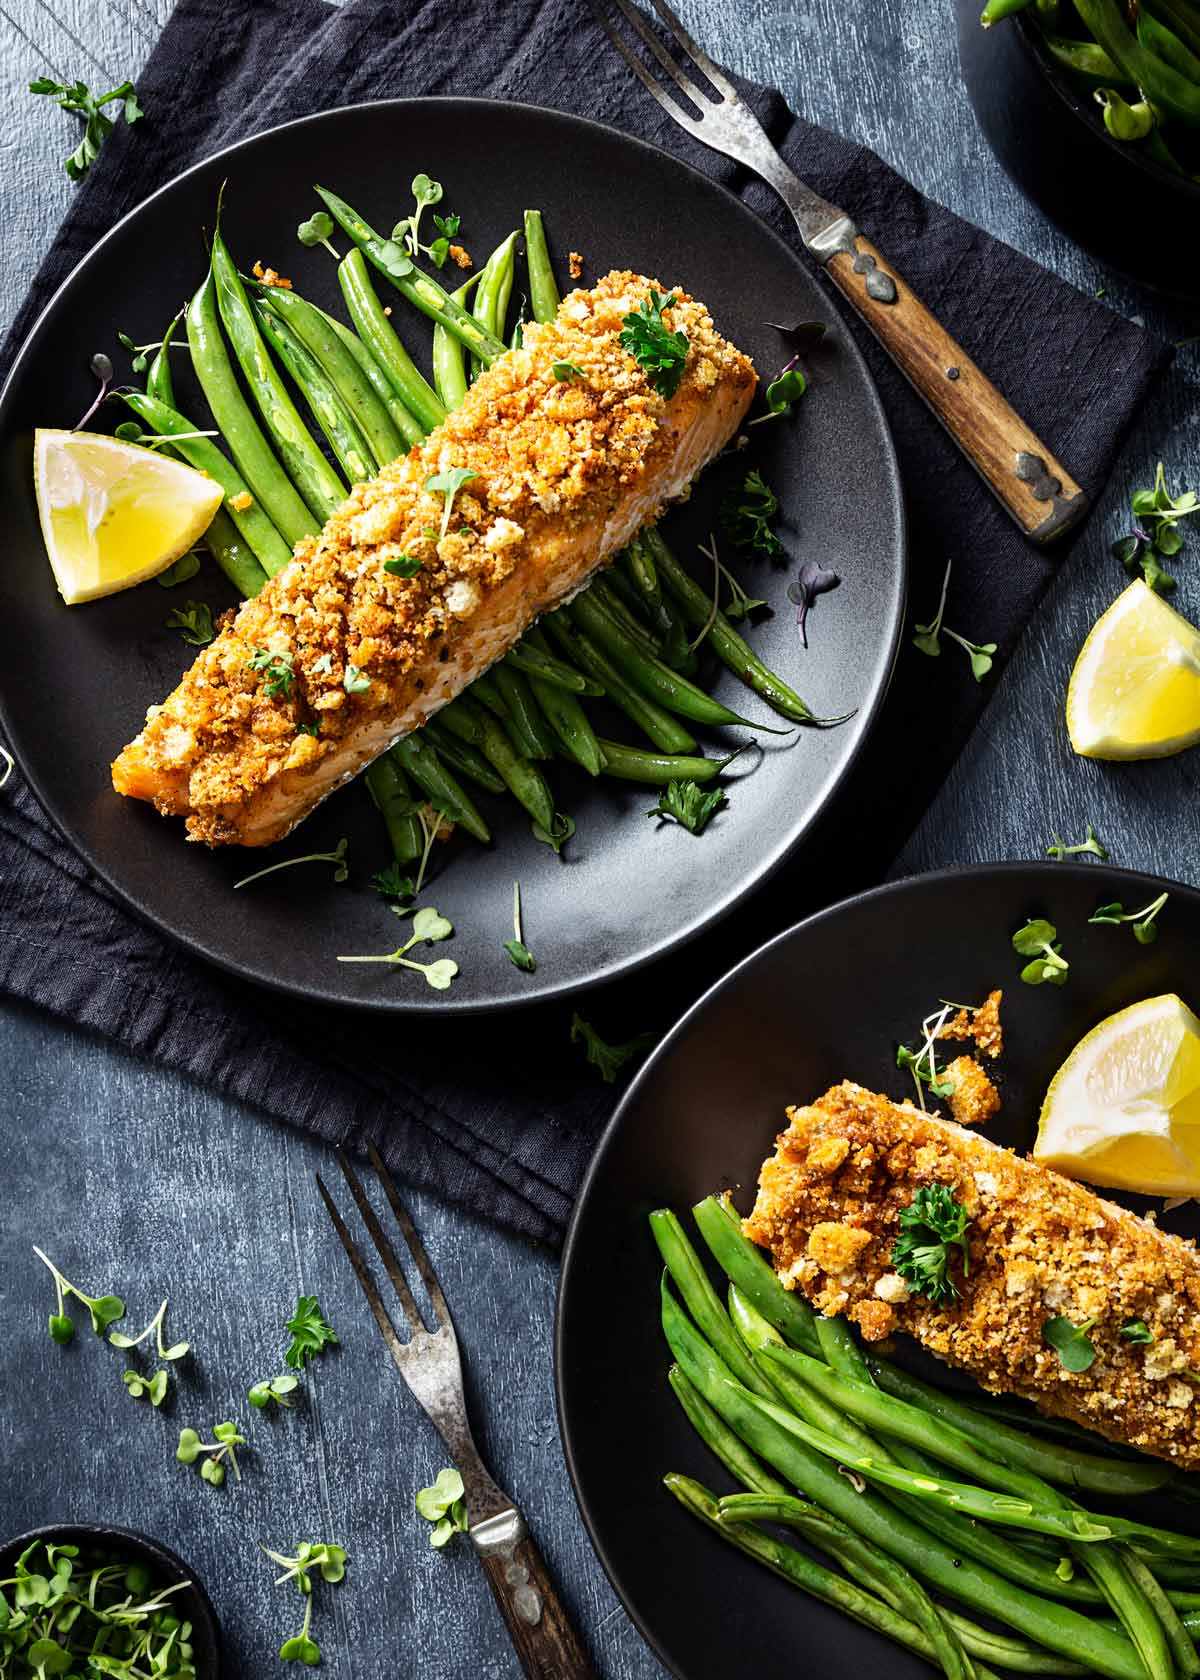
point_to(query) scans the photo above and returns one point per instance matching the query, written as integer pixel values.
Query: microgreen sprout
(310, 1333)
(355, 681)
(1038, 939)
(689, 805)
(746, 516)
(407, 233)
(1137, 1331)
(328, 1560)
(142, 1387)
(194, 622)
(104, 1309)
(710, 554)
(214, 1455)
(390, 883)
(404, 566)
(1071, 1342)
(1145, 928)
(927, 637)
(445, 1507)
(518, 952)
(1059, 850)
(740, 603)
(78, 99)
(428, 927)
(785, 390)
(1139, 559)
(141, 352)
(337, 857)
(273, 1391)
(155, 1329)
(1159, 513)
(278, 676)
(813, 580)
(922, 1063)
(300, 1647)
(567, 372)
(130, 432)
(184, 569)
(659, 352)
(448, 484)
(609, 1059)
(316, 231)
(102, 370)
(932, 1224)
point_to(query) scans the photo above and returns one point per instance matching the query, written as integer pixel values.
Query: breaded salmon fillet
(338, 657)
(828, 1210)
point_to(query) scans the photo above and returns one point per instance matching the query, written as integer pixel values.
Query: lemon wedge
(1124, 1108)
(1135, 689)
(114, 514)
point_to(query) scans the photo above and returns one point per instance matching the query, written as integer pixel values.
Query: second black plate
(77, 680)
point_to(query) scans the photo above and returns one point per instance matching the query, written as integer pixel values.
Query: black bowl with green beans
(1093, 109)
(84, 1597)
(550, 785)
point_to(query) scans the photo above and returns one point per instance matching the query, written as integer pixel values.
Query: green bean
(725, 642)
(406, 423)
(1167, 46)
(1062, 1465)
(444, 792)
(661, 728)
(543, 288)
(467, 760)
(702, 1301)
(558, 704)
(495, 288)
(1056, 1626)
(1159, 83)
(721, 1440)
(345, 372)
(1183, 1652)
(802, 1571)
(1133, 1609)
(1086, 59)
(303, 462)
(533, 656)
(995, 10)
(867, 1565)
(484, 690)
(618, 582)
(160, 382)
(526, 724)
(393, 798)
(638, 563)
(839, 1349)
(261, 551)
(1179, 16)
(645, 637)
(634, 764)
(395, 264)
(471, 723)
(267, 482)
(381, 339)
(334, 419)
(745, 1264)
(998, 1648)
(449, 363)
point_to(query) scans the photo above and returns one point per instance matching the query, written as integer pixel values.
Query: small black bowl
(1049, 136)
(167, 1567)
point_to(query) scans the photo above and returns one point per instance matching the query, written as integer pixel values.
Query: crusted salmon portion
(828, 1210)
(338, 657)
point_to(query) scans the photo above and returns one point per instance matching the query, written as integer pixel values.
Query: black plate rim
(1015, 867)
(417, 1006)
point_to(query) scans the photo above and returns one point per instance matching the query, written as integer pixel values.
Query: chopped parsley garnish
(310, 1333)
(405, 566)
(77, 98)
(1070, 1342)
(278, 677)
(567, 372)
(1038, 939)
(689, 805)
(931, 1225)
(1135, 1330)
(746, 516)
(659, 352)
(609, 1058)
(194, 622)
(313, 729)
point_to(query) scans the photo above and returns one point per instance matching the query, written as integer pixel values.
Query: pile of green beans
(1141, 63)
(292, 391)
(912, 1492)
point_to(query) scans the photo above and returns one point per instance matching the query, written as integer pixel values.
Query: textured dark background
(141, 1182)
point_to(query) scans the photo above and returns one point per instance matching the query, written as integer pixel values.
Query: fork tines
(700, 98)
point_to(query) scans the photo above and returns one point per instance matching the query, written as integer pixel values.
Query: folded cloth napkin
(513, 1146)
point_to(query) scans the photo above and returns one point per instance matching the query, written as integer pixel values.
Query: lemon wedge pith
(1124, 1108)
(113, 513)
(1135, 689)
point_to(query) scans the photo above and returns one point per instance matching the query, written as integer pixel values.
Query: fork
(429, 1362)
(1039, 494)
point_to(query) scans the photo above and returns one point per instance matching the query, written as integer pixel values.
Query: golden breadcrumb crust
(828, 1210)
(548, 454)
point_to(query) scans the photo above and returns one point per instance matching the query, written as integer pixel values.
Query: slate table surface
(148, 1185)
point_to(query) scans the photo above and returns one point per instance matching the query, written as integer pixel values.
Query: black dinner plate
(77, 680)
(830, 999)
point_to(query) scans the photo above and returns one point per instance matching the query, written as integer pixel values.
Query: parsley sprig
(279, 679)
(927, 637)
(932, 1224)
(689, 805)
(746, 516)
(609, 1059)
(194, 622)
(1145, 928)
(659, 352)
(77, 98)
(310, 1333)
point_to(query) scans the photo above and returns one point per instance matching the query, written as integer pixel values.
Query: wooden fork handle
(538, 1624)
(1037, 490)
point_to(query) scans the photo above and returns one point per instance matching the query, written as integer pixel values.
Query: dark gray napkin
(502, 1118)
